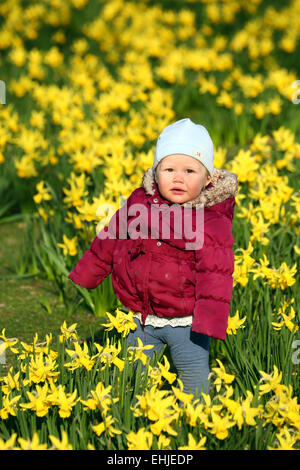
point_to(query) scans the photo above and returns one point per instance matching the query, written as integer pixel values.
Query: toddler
(179, 287)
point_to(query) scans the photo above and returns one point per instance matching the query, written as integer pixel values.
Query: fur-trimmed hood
(223, 185)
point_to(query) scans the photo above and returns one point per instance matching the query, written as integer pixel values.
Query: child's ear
(208, 181)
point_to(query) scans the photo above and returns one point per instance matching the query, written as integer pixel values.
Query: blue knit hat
(188, 138)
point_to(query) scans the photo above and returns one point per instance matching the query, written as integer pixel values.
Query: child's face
(181, 172)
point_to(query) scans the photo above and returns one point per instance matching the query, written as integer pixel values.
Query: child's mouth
(177, 191)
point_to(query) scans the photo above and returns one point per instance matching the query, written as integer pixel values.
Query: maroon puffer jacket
(156, 274)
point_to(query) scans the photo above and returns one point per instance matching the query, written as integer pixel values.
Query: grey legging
(189, 352)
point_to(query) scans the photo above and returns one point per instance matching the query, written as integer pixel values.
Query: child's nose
(178, 176)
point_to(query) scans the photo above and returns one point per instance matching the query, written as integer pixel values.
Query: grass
(30, 305)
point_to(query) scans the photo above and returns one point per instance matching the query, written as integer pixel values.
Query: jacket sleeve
(214, 278)
(97, 262)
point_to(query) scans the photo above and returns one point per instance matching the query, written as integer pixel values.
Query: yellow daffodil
(65, 401)
(106, 426)
(274, 105)
(76, 193)
(68, 332)
(251, 85)
(285, 440)
(295, 203)
(37, 119)
(261, 146)
(286, 320)
(21, 86)
(25, 167)
(220, 157)
(80, 357)
(8, 343)
(10, 381)
(219, 425)
(222, 377)
(164, 423)
(245, 166)
(208, 86)
(269, 381)
(234, 323)
(38, 401)
(109, 355)
(42, 194)
(9, 443)
(33, 444)
(137, 352)
(100, 398)
(122, 322)
(198, 413)
(154, 376)
(89, 212)
(259, 229)
(164, 369)
(85, 161)
(231, 405)
(37, 348)
(225, 99)
(18, 56)
(69, 246)
(284, 138)
(192, 443)
(158, 406)
(163, 442)
(282, 408)
(44, 214)
(180, 394)
(245, 413)
(238, 108)
(74, 219)
(9, 406)
(281, 277)
(140, 440)
(53, 57)
(60, 445)
(31, 141)
(40, 368)
(243, 265)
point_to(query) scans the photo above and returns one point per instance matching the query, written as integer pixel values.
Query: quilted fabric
(153, 271)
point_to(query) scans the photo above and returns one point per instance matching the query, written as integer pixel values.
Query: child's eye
(188, 170)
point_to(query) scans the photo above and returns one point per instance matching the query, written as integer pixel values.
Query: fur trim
(224, 186)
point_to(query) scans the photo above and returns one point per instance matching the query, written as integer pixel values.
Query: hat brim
(184, 149)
